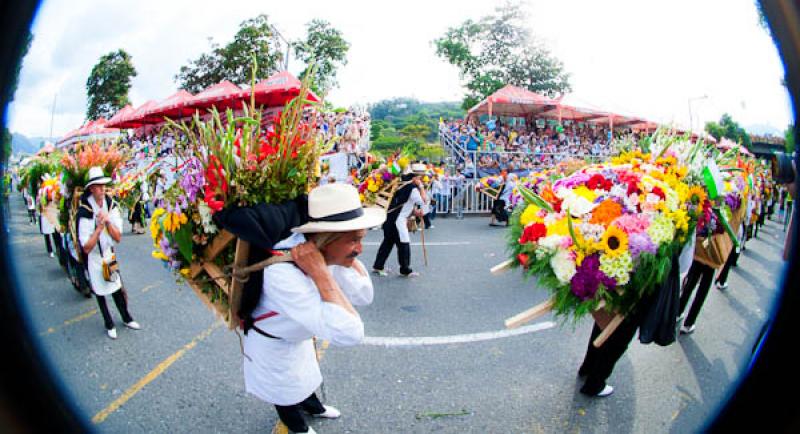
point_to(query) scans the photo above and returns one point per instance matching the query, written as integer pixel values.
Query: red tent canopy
(124, 111)
(276, 90)
(221, 95)
(135, 118)
(172, 107)
(513, 101)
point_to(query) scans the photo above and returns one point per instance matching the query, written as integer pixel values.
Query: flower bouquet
(378, 185)
(491, 186)
(239, 182)
(49, 198)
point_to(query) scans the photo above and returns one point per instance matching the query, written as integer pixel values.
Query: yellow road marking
(85, 315)
(80, 317)
(152, 375)
(279, 427)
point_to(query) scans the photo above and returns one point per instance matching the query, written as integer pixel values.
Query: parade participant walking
(395, 230)
(314, 296)
(31, 204)
(47, 228)
(99, 230)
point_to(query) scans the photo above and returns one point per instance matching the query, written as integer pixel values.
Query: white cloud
(645, 58)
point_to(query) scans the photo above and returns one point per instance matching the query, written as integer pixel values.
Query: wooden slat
(502, 267)
(213, 272)
(530, 314)
(240, 260)
(218, 245)
(608, 331)
(195, 269)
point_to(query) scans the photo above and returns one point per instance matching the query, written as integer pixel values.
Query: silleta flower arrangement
(87, 155)
(380, 178)
(230, 163)
(607, 233)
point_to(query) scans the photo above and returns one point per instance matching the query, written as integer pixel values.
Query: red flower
(658, 192)
(633, 187)
(532, 233)
(523, 259)
(237, 142)
(598, 181)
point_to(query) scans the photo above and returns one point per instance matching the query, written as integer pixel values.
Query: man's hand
(308, 258)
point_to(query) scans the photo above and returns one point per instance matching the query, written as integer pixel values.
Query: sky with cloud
(653, 59)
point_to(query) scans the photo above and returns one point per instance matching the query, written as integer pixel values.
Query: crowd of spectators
(493, 146)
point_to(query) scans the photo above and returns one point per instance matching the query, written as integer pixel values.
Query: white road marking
(439, 243)
(391, 341)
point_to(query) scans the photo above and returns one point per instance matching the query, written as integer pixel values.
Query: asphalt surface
(182, 372)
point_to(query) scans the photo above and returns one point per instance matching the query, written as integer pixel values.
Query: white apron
(95, 263)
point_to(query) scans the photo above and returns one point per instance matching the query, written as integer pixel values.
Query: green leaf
(183, 237)
(572, 230)
(534, 198)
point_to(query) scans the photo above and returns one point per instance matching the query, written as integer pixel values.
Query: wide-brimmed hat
(96, 176)
(337, 208)
(416, 169)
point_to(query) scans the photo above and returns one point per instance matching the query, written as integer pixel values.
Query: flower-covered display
(605, 233)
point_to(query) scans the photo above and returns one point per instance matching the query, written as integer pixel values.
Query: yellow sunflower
(614, 241)
(697, 195)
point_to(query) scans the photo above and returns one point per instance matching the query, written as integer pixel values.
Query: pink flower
(632, 223)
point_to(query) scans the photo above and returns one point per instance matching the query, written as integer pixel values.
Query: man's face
(97, 190)
(345, 249)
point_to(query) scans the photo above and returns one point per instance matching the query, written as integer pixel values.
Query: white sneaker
(329, 413)
(608, 390)
(687, 330)
(133, 325)
(51, 255)
(382, 273)
(310, 431)
(411, 274)
(723, 286)
(112, 333)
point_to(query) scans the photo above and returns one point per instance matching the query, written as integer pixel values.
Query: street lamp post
(697, 98)
(288, 47)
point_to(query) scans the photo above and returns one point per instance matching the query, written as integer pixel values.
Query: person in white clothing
(409, 198)
(311, 296)
(99, 230)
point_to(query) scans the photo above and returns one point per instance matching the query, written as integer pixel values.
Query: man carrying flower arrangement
(313, 296)
(410, 198)
(99, 230)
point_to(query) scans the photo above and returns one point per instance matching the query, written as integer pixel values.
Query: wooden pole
(530, 314)
(424, 250)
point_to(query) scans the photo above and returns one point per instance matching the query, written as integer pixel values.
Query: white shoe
(310, 431)
(329, 413)
(112, 333)
(411, 274)
(687, 330)
(382, 273)
(608, 390)
(722, 287)
(133, 325)
(51, 255)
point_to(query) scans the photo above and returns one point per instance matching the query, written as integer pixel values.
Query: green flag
(713, 179)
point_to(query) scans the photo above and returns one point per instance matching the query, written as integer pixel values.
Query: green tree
(233, 62)
(5, 138)
(789, 138)
(108, 84)
(498, 50)
(730, 129)
(325, 49)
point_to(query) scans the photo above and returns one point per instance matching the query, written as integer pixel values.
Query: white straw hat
(416, 168)
(96, 176)
(337, 208)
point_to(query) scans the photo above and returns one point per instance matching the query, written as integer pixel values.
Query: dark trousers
(704, 274)
(292, 415)
(426, 220)
(47, 243)
(599, 362)
(499, 210)
(391, 238)
(32, 216)
(122, 307)
(731, 262)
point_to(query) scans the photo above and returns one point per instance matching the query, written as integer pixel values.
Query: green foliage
(234, 61)
(730, 129)
(108, 84)
(789, 138)
(325, 48)
(498, 50)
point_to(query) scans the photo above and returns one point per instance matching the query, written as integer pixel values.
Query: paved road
(456, 371)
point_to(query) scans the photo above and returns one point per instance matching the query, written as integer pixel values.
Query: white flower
(619, 190)
(205, 218)
(592, 231)
(550, 242)
(576, 205)
(563, 266)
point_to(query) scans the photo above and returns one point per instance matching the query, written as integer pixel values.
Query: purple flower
(640, 242)
(588, 278)
(733, 201)
(571, 181)
(387, 176)
(193, 178)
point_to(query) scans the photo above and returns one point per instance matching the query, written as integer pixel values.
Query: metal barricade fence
(463, 199)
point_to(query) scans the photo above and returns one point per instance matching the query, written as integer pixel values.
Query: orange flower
(606, 212)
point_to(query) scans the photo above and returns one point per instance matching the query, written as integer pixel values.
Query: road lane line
(70, 321)
(152, 375)
(392, 341)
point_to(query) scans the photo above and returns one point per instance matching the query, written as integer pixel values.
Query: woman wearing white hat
(99, 230)
(409, 198)
(313, 296)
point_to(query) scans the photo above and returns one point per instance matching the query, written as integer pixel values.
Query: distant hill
(21, 143)
(763, 130)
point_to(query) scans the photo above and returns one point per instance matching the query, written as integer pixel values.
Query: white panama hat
(337, 208)
(416, 168)
(96, 176)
